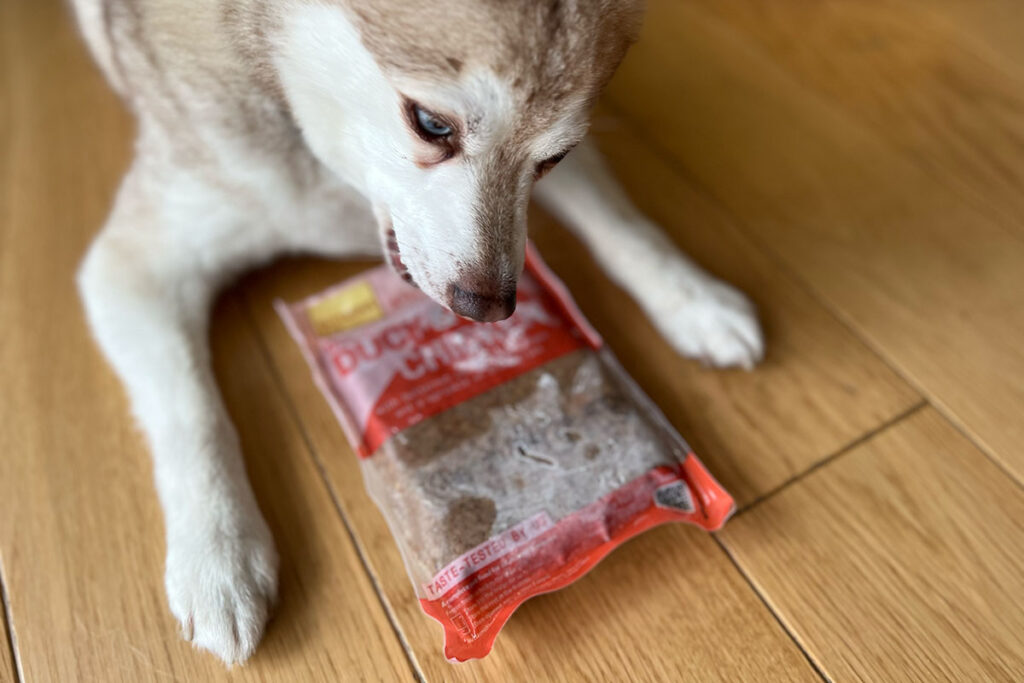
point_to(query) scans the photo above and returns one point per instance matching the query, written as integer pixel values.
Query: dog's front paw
(221, 582)
(714, 323)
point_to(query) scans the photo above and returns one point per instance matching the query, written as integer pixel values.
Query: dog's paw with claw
(713, 323)
(221, 583)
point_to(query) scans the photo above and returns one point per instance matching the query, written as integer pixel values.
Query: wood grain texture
(665, 607)
(927, 84)
(900, 560)
(995, 24)
(819, 388)
(80, 528)
(927, 278)
(855, 167)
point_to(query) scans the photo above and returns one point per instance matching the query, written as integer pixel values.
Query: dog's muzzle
(481, 306)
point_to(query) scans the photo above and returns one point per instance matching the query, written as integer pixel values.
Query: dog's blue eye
(431, 124)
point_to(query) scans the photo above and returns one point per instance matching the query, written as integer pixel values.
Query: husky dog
(409, 130)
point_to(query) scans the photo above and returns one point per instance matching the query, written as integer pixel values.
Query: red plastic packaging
(507, 458)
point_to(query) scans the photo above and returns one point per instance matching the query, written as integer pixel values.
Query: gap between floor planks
(842, 318)
(896, 560)
(9, 658)
(325, 480)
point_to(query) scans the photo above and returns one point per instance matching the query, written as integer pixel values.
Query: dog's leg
(147, 282)
(698, 314)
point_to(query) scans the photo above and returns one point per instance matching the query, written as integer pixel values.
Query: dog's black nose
(485, 308)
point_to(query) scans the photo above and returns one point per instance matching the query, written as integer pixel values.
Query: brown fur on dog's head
(509, 84)
(549, 49)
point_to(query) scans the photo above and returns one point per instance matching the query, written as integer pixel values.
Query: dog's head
(444, 114)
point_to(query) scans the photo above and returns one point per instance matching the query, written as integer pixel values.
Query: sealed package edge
(507, 458)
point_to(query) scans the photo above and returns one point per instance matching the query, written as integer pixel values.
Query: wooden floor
(856, 166)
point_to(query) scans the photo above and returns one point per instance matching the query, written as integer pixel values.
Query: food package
(507, 458)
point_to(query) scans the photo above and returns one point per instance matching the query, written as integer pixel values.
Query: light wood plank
(931, 281)
(898, 561)
(663, 608)
(6, 663)
(996, 26)
(330, 623)
(80, 528)
(926, 82)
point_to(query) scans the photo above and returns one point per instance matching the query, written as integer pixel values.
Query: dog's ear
(633, 20)
(621, 22)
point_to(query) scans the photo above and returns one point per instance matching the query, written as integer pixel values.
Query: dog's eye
(431, 125)
(548, 164)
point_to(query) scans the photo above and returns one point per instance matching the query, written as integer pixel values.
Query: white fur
(431, 209)
(174, 237)
(701, 316)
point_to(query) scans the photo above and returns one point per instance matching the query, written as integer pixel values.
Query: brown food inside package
(552, 440)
